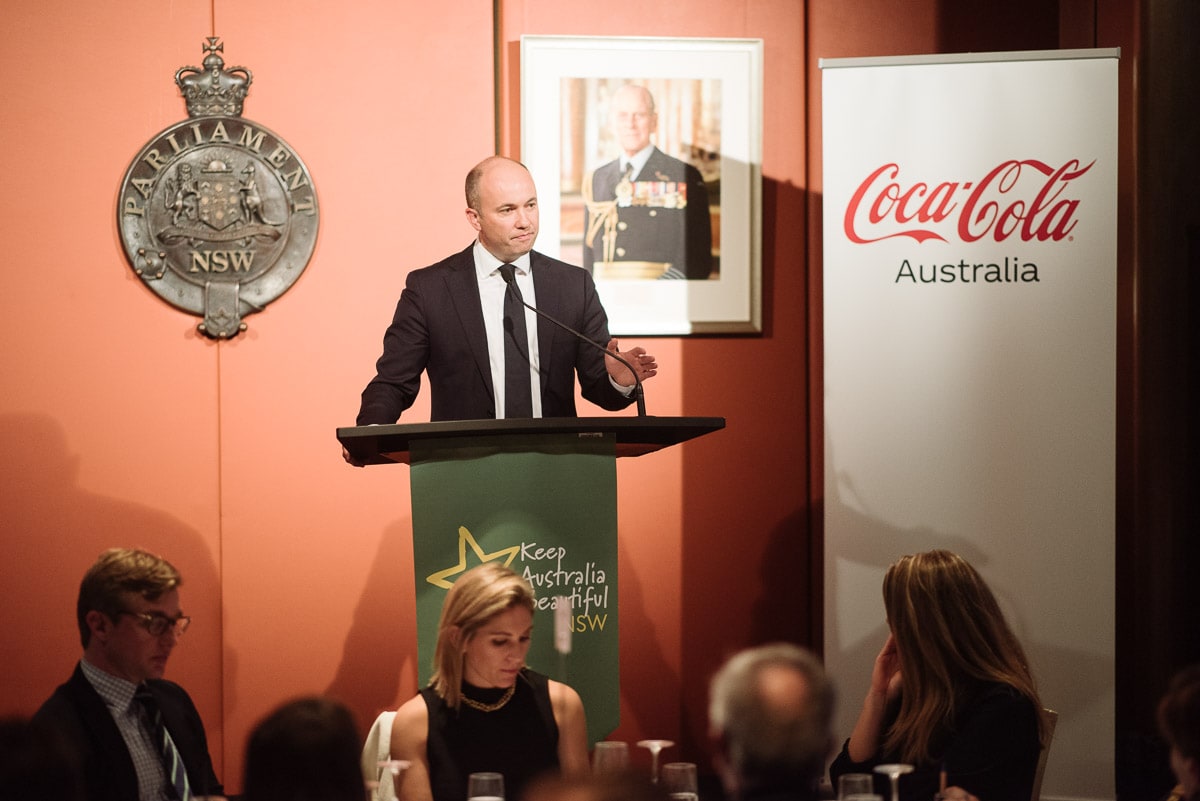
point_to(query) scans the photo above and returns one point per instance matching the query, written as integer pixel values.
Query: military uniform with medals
(655, 224)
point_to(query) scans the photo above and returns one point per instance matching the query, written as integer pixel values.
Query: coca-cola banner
(969, 271)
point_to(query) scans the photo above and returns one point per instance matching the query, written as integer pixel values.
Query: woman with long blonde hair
(484, 709)
(951, 691)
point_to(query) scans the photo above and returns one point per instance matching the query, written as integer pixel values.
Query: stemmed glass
(655, 746)
(894, 772)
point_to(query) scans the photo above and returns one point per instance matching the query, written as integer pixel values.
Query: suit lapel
(549, 299)
(463, 289)
(106, 737)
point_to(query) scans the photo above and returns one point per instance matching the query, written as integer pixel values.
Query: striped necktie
(172, 762)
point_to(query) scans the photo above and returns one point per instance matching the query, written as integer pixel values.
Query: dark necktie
(172, 762)
(517, 400)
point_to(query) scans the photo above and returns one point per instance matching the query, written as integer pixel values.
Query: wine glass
(610, 756)
(485, 787)
(894, 772)
(655, 746)
(678, 781)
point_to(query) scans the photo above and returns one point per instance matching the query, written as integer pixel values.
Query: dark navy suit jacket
(438, 329)
(80, 715)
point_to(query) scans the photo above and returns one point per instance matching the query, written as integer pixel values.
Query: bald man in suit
(448, 322)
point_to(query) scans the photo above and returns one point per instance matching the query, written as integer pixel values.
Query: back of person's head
(475, 598)
(36, 764)
(117, 572)
(306, 750)
(950, 634)
(623, 786)
(770, 709)
(946, 620)
(1179, 723)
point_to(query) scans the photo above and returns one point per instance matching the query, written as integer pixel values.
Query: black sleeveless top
(519, 740)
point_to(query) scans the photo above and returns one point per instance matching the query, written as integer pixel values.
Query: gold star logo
(465, 538)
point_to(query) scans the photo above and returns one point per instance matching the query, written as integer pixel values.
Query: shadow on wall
(54, 530)
(378, 667)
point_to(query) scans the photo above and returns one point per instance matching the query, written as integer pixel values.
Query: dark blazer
(682, 237)
(438, 329)
(78, 712)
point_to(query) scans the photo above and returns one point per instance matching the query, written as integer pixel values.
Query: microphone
(510, 278)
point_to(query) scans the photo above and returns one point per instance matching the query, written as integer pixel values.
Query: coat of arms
(217, 214)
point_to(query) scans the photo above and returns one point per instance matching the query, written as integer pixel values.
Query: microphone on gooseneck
(511, 279)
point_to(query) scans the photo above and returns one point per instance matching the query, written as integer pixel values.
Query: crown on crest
(214, 90)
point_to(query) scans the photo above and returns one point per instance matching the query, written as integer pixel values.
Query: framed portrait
(647, 155)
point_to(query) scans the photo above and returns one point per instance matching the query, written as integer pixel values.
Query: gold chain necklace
(504, 699)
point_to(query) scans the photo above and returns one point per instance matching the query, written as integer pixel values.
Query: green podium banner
(545, 506)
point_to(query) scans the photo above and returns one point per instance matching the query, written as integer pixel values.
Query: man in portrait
(646, 213)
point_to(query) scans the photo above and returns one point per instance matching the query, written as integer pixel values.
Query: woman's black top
(519, 740)
(990, 750)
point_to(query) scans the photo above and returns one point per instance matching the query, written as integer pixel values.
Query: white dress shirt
(491, 296)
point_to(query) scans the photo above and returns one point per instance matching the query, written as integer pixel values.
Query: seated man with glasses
(137, 735)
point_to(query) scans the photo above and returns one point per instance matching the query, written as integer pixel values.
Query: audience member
(1179, 723)
(36, 764)
(137, 735)
(305, 750)
(769, 715)
(484, 710)
(951, 692)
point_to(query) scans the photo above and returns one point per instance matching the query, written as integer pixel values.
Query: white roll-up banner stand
(970, 246)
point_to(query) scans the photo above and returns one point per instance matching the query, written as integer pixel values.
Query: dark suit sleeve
(77, 713)
(405, 356)
(593, 374)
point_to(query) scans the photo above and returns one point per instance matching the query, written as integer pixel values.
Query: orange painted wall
(120, 425)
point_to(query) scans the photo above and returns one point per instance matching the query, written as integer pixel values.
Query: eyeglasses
(159, 624)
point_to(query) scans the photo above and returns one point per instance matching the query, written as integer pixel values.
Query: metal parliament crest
(217, 214)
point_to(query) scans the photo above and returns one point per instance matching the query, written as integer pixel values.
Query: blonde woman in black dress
(484, 710)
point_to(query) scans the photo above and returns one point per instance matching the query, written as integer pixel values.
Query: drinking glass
(678, 780)
(894, 772)
(485, 787)
(655, 747)
(855, 784)
(610, 756)
(390, 770)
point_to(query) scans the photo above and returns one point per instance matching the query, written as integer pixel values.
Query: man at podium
(466, 322)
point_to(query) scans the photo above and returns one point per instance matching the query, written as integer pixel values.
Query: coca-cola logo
(1027, 199)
